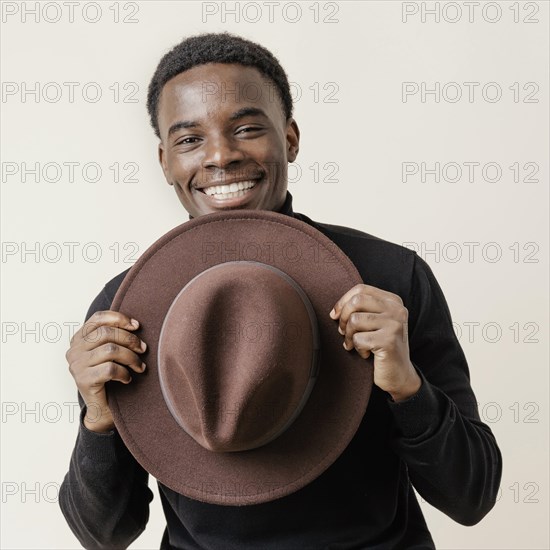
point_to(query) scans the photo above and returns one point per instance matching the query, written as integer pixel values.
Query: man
(222, 109)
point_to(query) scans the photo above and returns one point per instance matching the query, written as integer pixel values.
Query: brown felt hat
(248, 394)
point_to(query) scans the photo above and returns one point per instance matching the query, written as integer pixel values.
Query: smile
(230, 191)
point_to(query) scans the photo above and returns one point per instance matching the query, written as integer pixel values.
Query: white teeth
(231, 189)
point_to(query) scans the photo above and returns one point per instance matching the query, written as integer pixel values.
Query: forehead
(223, 85)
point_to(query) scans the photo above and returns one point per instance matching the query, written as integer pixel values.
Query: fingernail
(134, 323)
(332, 313)
(341, 331)
(344, 344)
(143, 365)
(143, 346)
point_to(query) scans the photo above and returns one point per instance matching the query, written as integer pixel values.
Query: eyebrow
(241, 113)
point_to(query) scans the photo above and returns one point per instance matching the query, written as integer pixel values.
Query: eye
(248, 129)
(185, 141)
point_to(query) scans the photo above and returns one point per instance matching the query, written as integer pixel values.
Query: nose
(220, 152)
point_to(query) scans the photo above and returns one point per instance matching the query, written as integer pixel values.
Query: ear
(292, 139)
(162, 161)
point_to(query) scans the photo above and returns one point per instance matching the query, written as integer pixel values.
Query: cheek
(275, 150)
(182, 189)
(180, 172)
(273, 159)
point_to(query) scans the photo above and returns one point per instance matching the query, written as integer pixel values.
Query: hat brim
(337, 402)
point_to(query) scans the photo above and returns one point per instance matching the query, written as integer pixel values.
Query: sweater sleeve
(452, 457)
(104, 495)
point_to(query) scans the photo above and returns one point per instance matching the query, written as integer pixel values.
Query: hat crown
(238, 355)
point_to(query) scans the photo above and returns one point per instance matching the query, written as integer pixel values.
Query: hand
(98, 351)
(374, 320)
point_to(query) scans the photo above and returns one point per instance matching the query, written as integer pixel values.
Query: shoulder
(380, 262)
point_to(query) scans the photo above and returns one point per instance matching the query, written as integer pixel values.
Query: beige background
(362, 59)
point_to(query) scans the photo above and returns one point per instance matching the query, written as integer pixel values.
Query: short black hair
(222, 47)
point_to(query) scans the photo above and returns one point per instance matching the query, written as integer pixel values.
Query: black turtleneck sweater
(434, 441)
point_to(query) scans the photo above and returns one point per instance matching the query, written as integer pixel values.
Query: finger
(365, 289)
(99, 375)
(383, 294)
(360, 303)
(113, 352)
(105, 333)
(363, 343)
(359, 322)
(105, 317)
(337, 308)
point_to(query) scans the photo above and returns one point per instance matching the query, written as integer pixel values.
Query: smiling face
(225, 143)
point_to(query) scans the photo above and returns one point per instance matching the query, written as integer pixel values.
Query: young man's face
(224, 124)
